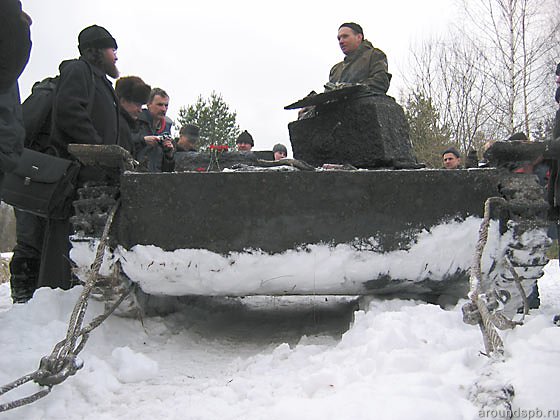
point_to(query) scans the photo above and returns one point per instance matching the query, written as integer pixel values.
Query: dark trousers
(55, 257)
(46, 240)
(30, 231)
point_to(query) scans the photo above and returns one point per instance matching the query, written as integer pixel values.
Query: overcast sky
(260, 56)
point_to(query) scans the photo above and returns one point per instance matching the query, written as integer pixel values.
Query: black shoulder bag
(44, 184)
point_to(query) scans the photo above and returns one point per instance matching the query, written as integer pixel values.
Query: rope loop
(52, 372)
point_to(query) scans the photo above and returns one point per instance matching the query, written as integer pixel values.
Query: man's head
(451, 158)
(132, 93)
(244, 142)
(158, 102)
(350, 36)
(188, 137)
(98, 47)
(280, 151)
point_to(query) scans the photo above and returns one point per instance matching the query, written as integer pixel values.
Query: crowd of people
(88, 109)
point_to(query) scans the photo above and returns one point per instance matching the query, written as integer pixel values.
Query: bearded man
(85, 111)
(85, 107)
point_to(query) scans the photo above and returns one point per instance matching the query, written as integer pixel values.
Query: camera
(163, 137)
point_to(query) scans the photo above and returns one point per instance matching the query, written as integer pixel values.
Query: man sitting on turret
(363, 63)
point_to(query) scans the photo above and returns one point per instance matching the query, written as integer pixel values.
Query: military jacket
(367, 65)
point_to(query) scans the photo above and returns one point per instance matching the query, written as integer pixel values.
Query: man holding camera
(157, 150)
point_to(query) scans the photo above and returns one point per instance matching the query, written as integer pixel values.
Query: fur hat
(133, 89)
(245, 137)
(280, 148)
(95, 37)
(451, 150)
(190, 130)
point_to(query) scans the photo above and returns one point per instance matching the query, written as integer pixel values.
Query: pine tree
(428, 137)
(217, 123)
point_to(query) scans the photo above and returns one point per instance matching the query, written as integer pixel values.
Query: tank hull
(406, 234)
(275, 211)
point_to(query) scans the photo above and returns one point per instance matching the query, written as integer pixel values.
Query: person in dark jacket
(14, 55)
(451, 158)
(132, 93)
(15, 47)
(85, 110)
(552, 156)
(156, 148)
(363, 63)
(85, 107)
(279, 151)
(244, 142)
(188, 138)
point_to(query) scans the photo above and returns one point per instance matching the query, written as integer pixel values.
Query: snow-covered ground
(281, 358)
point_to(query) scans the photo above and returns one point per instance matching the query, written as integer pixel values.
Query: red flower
(219, 148)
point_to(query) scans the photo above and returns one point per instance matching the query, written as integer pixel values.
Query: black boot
(23, 279)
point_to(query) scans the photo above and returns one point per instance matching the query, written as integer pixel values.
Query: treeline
(490, 76)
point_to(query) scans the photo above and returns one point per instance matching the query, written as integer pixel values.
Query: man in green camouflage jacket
(363, 63)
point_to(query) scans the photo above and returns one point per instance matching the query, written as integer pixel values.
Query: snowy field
(310, 358)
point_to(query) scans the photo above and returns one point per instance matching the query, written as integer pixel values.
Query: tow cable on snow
(482, 311)
(63, 360)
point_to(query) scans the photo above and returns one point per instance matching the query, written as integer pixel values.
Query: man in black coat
(15, 47)
(85, 110)
(85, 107)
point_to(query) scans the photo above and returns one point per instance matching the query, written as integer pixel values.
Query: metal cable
(63, 361)
(492, 341)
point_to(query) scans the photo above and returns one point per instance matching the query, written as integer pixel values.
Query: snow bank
(266, 358)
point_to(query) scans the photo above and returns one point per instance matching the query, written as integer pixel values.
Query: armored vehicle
(352, 214)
